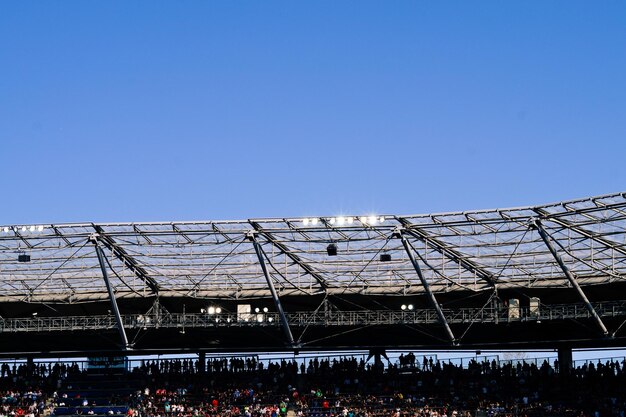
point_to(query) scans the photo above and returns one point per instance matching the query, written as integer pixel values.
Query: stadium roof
(469, 251)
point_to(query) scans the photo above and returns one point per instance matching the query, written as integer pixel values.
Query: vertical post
(431, 297)
(546, 239)
(377, 354)
(565, 360)
(116, 310)
(30, 366)
(201, 362)
(279, 307)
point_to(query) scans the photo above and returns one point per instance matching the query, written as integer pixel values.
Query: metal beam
(295, 258)
(279, 307)
(448, 252)
(323, 318)
(546, 239)
(19, 235)
(116, 310)
(589, 235)
(431, 297)
(130, 262)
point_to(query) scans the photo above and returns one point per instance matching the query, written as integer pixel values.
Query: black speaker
(385, 257)
(23, 258)
(331, 249)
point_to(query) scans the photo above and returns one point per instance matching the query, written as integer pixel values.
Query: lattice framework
(469, 251)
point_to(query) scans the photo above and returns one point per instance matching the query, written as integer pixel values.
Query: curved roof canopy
(471, 251)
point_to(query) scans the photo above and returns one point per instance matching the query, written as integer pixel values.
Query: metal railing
(310, 318)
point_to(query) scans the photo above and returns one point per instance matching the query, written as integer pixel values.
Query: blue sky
(140, 111)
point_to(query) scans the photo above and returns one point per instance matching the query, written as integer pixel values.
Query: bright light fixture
(211, 310)
(363, 219)
(314, 221)
(265, 309)
(259, 318)
(341, 221)
(305, 222)
(218, 310)
(256, 310)
(381, 219)
(32, 228)
(371, 219)
(270, 319)
(403, 307)
(410, 306)
(332, 220)
(350, 220)
(40, 228)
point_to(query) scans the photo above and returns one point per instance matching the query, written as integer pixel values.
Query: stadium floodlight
(6, 230)
(257, 310)
(410, 306)
(23, 228)
(202, 310)
(403, 306)
(265, 309)
(331, 249)
(363, 219)
(270, 319)
(40, 228)
(371, 220)
(211, 310)
(259, 318)
(305, 221)
(341, 220)
(381, 219)
(314, 221)
(32, 229)
(332, 220)
(218, 310)
(228, 320)
(350, 220)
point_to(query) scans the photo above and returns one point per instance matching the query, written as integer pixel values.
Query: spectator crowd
(318, 387)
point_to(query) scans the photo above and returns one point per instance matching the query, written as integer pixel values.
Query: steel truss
(480, 250)
(312, 318)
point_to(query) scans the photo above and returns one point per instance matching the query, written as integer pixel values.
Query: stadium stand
(323, 387)
(542, 277)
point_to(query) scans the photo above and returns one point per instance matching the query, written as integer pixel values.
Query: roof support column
(546, 239)
(431, 297)
(105, 276)
(279, 307)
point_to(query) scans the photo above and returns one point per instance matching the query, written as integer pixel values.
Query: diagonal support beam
(295, 258)
(448, 252)
(431, 297)
(105, 276)
(580, 231)
(568, 274)
(279, 307)
(130, 262)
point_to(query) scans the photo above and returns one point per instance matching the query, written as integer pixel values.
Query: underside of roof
(464, 251)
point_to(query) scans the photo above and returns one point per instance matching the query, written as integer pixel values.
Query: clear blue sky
(154, 110)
